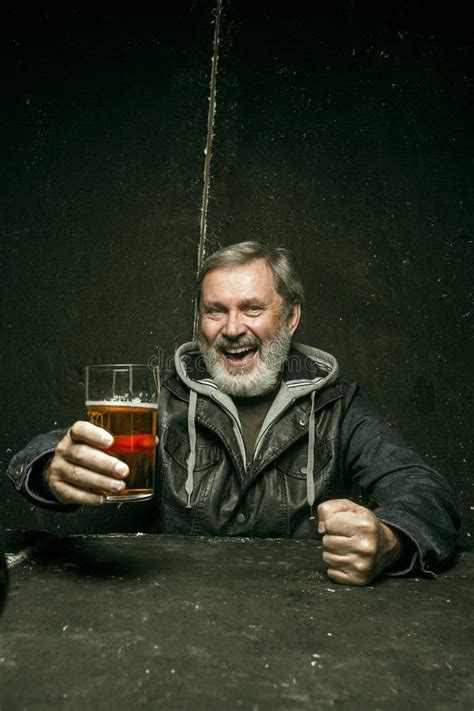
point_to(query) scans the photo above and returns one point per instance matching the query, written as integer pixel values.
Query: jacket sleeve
(403, 491)
(25, 471)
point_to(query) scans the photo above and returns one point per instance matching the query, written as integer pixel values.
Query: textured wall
(342, 132)
(105, 127)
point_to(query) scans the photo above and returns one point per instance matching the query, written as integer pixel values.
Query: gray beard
(259, 380)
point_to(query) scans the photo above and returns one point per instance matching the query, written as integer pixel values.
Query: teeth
(241, 350)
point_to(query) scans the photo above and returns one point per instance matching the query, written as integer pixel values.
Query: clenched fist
(357, 547)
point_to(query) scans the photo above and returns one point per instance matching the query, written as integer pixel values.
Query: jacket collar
(307, 371)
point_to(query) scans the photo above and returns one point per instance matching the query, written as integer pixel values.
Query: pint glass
(123, 399)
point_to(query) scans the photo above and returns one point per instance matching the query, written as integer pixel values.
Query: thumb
(331, 507)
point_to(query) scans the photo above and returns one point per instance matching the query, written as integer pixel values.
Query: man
(259, 437)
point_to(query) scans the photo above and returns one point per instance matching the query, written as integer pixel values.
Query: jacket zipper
(237, 430)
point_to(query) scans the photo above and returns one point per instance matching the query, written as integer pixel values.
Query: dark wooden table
(164, 622)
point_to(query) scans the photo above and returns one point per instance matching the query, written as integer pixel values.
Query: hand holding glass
(123, 399)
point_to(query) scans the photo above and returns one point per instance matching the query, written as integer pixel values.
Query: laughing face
(245, 333)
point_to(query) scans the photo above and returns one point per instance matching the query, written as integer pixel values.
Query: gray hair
(285, 278)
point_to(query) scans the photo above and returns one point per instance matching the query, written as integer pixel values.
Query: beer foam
(121, 403)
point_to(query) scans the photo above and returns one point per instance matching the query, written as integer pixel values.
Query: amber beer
(133, 427)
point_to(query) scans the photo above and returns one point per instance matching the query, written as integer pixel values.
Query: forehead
(242, 281)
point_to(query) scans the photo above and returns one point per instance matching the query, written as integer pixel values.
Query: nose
(234, 325)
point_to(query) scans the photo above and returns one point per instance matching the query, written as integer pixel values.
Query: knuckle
(76, 429)
(362, 571)
(370, 520)
(366, 528)
(54, 473)
(78, 453)
(323, 509)
(54, 466)
(367, 545)
(62, 447)
(75, 475)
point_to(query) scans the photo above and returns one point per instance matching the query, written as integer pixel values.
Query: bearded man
(259, 436)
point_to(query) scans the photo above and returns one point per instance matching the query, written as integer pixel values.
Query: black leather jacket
(355, 454)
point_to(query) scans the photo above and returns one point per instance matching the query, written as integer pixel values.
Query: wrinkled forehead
(242, 281)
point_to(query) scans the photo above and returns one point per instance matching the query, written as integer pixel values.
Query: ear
(294, 317)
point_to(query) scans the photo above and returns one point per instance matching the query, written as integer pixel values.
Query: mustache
(223, 343)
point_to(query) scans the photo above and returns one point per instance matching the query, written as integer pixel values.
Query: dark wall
(105, 124)
(341, 132)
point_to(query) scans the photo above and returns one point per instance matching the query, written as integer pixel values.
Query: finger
(339, 562)
(69, 494)
(340, 571)
(340, 545)
(88, 480)
(349, 523)
(90, 458)
(339, 576)
(332, 506)
(88, 433)
(359, 570)
(351, 577)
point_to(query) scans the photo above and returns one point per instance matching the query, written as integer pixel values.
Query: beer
(133, 426)
(123, 399)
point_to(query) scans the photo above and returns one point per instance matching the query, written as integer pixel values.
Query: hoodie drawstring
(310, 461)
(189, 486)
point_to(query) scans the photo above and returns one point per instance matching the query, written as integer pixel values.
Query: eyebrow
(245, 303)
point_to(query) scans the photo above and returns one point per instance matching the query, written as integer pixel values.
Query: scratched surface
(169, 622)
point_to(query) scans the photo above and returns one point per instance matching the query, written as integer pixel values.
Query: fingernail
(121, 469)
(117, 485)
(321, 527)
(107, 439)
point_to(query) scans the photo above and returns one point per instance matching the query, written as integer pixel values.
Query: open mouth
(240, 357)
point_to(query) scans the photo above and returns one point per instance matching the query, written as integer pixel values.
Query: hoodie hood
(307, 371)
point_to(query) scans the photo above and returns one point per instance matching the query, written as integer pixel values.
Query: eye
(254, 309)
(214, 310)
